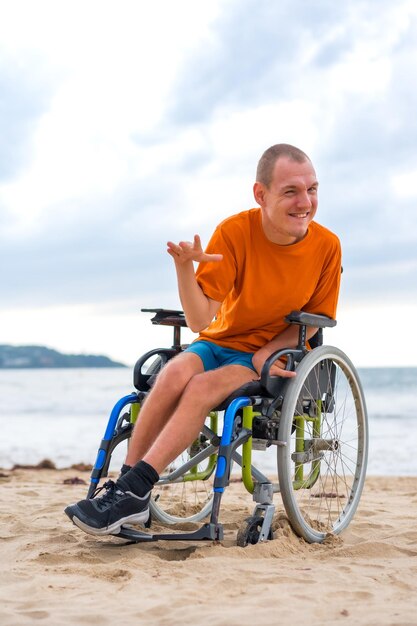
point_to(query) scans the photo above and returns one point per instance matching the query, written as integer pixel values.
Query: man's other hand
(278, 369)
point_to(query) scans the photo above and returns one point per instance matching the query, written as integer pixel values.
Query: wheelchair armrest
(310, 319)
(167, 317)
(274, 384)
(143, 380)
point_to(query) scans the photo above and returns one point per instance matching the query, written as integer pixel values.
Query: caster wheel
(251, 531)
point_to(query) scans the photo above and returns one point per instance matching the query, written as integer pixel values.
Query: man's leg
(161, 402)
(128, 500)
(203, 393)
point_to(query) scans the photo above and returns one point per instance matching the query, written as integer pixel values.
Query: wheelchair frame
(274, 411)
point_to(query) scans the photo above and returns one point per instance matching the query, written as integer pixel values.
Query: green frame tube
(248, 415)
(300, 420)
(194, 474)
(134, 412)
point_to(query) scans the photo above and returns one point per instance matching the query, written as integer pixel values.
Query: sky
(124, 125)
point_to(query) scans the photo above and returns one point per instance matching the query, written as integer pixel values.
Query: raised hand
(186, 251)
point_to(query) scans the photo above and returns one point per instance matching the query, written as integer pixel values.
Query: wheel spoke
(328, 444)
(188, 498)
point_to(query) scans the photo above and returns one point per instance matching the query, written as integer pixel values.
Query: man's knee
(178, 372)
(200, 387)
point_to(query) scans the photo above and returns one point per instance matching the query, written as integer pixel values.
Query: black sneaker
(106, 514)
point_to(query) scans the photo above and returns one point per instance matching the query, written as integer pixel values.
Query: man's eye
(290, 192)
(313, 190)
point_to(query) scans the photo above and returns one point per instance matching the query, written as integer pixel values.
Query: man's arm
(198, 308)
(287, 339)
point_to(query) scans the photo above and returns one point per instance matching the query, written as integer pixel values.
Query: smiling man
(259, 265)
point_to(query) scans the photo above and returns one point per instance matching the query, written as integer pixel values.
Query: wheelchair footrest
(210, 532)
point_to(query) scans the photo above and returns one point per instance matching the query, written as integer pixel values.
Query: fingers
(277, 370)
(172, 248)
(184, 245)
(186, 250)
(207, 258)
(174, 251)
(286, 374)
(179, 249)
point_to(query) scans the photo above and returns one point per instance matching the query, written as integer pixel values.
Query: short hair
(267, 161)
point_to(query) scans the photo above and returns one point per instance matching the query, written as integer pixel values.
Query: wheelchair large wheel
(323, 424)
(184, 492)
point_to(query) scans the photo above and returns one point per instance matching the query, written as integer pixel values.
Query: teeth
(298, 214)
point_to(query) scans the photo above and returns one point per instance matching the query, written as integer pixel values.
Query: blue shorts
(214, 356)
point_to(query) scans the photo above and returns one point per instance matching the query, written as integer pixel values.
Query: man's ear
(259, 193)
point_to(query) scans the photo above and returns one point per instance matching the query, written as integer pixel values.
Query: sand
(53, 573)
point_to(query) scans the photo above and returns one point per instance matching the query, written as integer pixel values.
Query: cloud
(110, 150)
(256, 53)
(81, 252)
(24, 98)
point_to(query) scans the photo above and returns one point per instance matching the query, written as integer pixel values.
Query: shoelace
(110, 496)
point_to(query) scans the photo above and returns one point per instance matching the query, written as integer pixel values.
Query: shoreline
(47, 464)
(54, 573)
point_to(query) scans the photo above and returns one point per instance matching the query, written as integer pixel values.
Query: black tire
(250, 532)
(324, 425)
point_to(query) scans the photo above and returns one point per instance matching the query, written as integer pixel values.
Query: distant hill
(20, 357)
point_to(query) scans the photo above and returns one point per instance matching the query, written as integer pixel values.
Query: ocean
(61, 414)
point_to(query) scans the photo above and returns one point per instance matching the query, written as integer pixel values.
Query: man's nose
(304, 200)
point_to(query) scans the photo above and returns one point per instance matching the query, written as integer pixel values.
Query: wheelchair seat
(252, 388)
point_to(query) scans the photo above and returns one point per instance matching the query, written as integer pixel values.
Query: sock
(125, 468)
(139, 479)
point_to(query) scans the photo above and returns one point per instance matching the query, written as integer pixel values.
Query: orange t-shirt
(259, 282)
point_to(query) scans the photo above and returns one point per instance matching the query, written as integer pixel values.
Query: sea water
(61, 414)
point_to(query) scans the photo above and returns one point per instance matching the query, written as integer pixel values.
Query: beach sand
(53, 573)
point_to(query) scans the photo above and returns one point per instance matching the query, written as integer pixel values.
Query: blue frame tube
(109, 433)
(221, 477)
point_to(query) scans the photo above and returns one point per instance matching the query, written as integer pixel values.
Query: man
(259, 265)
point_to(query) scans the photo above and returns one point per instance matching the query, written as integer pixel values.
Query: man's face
(289, 203)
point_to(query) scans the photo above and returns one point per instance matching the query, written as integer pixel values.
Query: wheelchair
(315, 423)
